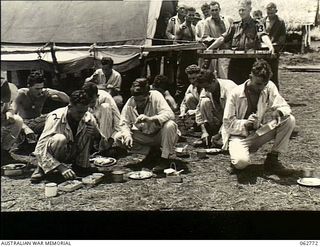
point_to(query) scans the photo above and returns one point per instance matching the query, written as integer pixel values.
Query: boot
(272, 162)
(37, 176)
(6, 158)
(163, 164)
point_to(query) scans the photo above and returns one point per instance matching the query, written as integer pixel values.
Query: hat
(140, 87)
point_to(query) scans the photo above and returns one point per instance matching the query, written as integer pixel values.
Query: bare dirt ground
(207, 184)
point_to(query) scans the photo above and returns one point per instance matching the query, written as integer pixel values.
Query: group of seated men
(92, 122)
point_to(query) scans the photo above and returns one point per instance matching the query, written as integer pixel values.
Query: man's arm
(266, 40)
(57, 95)
(170, 29)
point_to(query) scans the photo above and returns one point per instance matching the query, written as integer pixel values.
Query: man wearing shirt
(214, 27)
(66, 140)
(276, 29)
(246, 110)
(11, 123)
(147, 124)
(244, 35)
(106, 113)
(213, 96)
(185, 32)
(110, 79)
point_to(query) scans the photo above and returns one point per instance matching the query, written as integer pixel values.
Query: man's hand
(128, 142)
(252, 122)
(182, 115)
(31, 137)
(10, 117)
(271, 50)
(277, 115)
(108, 144)
(91, 130)
(66, 172)
(143, 118)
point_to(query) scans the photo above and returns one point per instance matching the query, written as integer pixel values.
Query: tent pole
(55, 62)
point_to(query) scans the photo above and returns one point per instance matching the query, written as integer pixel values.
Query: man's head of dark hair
(107, 61)
(90, 88)
(79, 97)
(191, 9)
(213, 3)
(205, 76)
(261, 69)
(205, 6)
(161, 81)
(35, 77)
(140, 87)
(192, 69)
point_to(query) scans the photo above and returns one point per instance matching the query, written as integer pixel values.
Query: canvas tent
(71, 35)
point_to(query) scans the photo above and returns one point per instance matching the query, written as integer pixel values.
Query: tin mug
(51, 189)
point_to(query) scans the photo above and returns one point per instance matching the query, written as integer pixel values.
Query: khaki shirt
(245, 35)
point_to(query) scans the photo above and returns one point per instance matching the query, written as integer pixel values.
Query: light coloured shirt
(109, 127)
(57, 123)
(156, 107)
(199, 30)
(190, 90)
(226, 86)
(237, 104)
(212, 30)
(113, 82)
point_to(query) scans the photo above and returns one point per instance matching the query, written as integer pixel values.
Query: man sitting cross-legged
(147, 124)
(65, 142)
(245, 111)
(209, 112)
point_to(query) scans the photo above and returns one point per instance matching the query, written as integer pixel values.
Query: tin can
(51, 189)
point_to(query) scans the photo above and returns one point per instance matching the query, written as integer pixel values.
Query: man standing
(147, 124)
(244, 35)
(11, 124)
(29, 105)
(214, 27)
(276, 29)
(110, 79)
(170, 66)
(205, 8)
(65, 142)
(245, 111)
(209, 111)
(185, 32)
